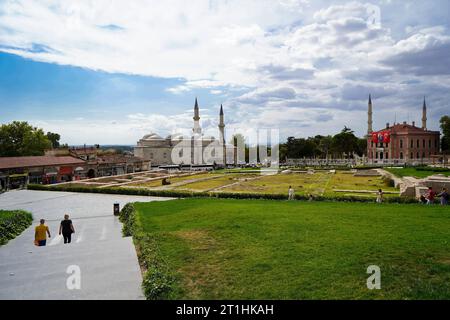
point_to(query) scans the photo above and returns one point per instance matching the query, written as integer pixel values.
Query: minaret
(369, 117)
(424, 115)
(222, 136)
(196, 129)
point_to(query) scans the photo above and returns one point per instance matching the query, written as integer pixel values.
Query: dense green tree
(283, 151)
(445, 127)
(300, 148)
(325, 146)
(54, 139)
(362, 147)
(345, 143)
(22, 139)
(239, 139)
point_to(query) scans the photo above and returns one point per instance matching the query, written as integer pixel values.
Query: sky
(109, 72)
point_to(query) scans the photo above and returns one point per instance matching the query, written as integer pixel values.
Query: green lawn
(219, 181)
(417, 172)
(262, 249)
(319, 183)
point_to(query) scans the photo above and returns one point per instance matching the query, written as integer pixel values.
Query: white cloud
(275, 64)
(192, 40)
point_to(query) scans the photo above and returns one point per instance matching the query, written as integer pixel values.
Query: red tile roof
(407, 128)
(39, 161)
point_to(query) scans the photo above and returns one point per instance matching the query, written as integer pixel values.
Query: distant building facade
(100, 165)
(65, 165)
(402, 143)
(16, 172)
(172, 149)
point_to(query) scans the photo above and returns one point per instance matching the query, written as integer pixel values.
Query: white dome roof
(175, 136)
(152, 136)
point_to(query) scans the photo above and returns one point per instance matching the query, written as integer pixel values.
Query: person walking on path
(291, 193)
(444, 196)
(380, 196)
(66, 228)
(40, 234)
(430, 195)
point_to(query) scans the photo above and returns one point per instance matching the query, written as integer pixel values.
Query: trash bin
(116, 209)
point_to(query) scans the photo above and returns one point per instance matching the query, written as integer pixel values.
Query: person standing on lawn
(291, 193)
(430, 195)
(40, 234)
(380, 196)
(66, 228)
(444, 196)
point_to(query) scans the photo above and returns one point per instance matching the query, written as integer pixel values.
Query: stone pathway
(107, 261)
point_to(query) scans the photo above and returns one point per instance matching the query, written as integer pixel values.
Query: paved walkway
(107, 261)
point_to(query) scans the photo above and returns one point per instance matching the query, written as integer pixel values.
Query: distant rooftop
(37, 161)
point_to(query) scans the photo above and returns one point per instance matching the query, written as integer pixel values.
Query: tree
(325, 144)
(299, 148)
(21, 139)
(237, 140)
(238, 137)
(283, 150)
(445, 127)
(362, 147)
(345, 142)
(54, 139)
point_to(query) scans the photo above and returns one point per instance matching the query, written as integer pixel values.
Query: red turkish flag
(386, 137)
(375, 137)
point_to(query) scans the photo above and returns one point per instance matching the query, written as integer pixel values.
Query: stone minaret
(424, 115)
(369, 117)
(222, 136)
(196, 129)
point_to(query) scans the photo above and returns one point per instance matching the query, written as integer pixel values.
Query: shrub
(433, 169)
(157, 281)
(13, 223)
(126, 216)
(388, 182)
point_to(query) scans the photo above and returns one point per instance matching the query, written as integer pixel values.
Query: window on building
(401, 144)
(418, 144)
(387, 145)
(381, 155)
(418, 155)
(412, 156)
(435, 143)
(429, 143)
(423, 154)
(387, 155)
(412, 144)
(401, 155)
(376, 155)
(423, 143)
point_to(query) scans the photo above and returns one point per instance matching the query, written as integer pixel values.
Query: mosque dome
(175, 136)
(152, 136)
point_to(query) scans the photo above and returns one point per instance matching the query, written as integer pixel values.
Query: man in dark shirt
(444, 197)
(66, 228)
